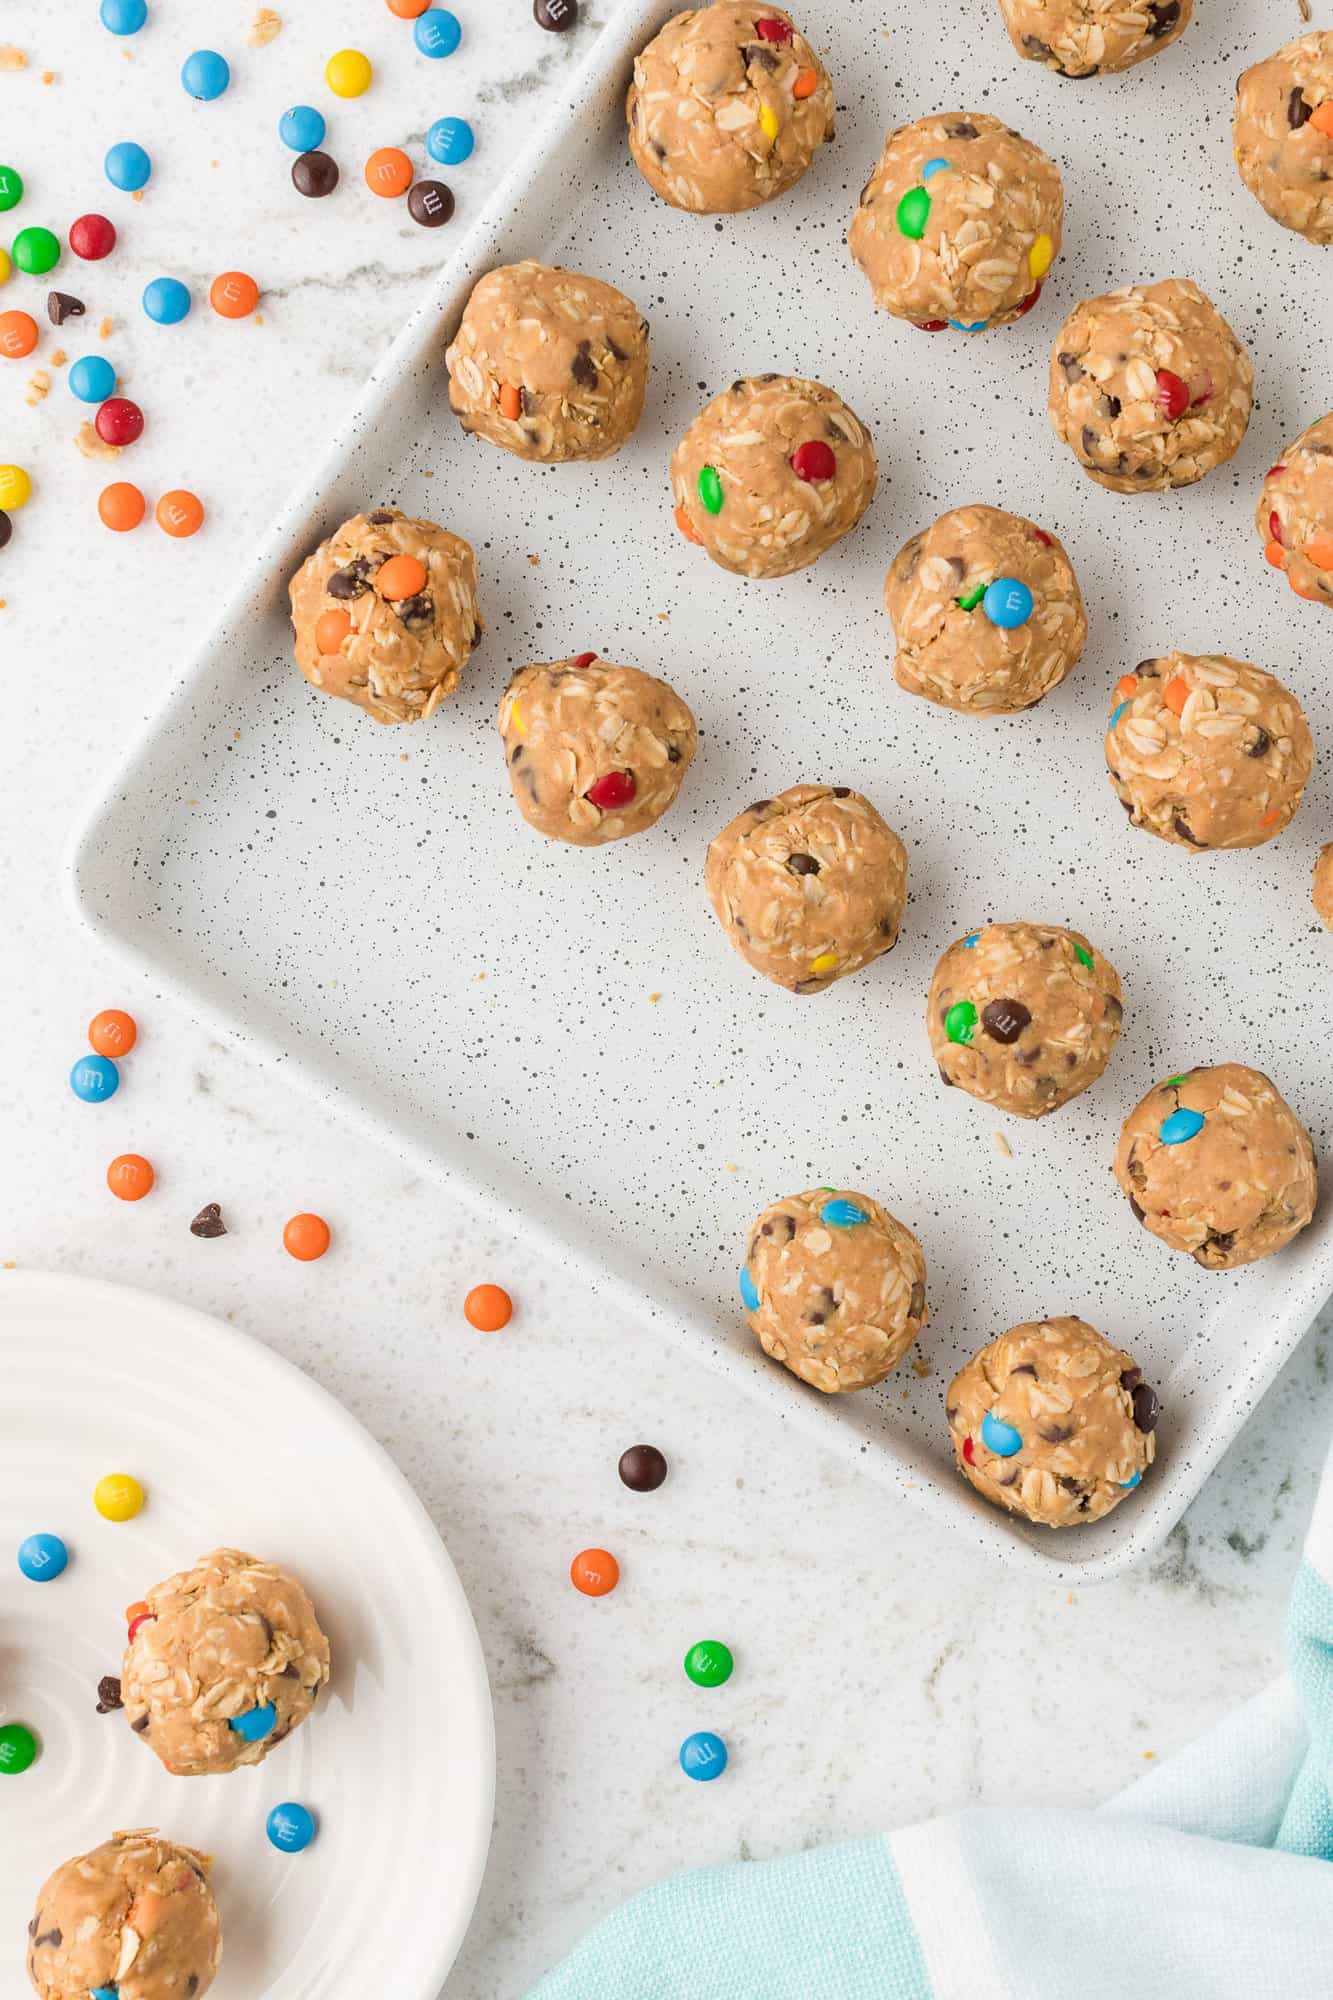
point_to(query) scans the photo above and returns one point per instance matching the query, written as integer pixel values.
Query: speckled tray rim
(902, 1466)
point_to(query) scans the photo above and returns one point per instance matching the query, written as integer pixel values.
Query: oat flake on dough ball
(959, 223)
(1322, 888)
(1283, 135)
(549, 364)
(1082, 37)
(135, 1916)
(728, 107)
(1295, 512)
(834, 1288)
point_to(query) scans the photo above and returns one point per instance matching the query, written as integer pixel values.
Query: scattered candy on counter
(5, 266)
(488, 1308)
(112, 1032)
(205, 74)
(118, 1496)
(94, 1079)
(314, 174)
(709, 1663)
(18, 1749)
(557, 15)
(450, 141)
(166, 301)
(43, 1558)
(123, 17)
(119, 421)
(92, 237)
(36, 251)
(255, 1724)
(290, 1827)
(1182, 1124)
(703, 1756)
(437, 32)
(407, 10)
(61, 306)
(208, 1223)
(234, 294)
(180, 513)
(121, 506)
(127, 167)
(92, 379)
(11, 188)
(6, 529)
(999, 1437)
(389, 172)
(595, 1572)
(306, 1237)
(18, 335)
(642, 1468)
(15, 487)
(130, 1177)
(302, 128)
(430, 203)
(348, 73)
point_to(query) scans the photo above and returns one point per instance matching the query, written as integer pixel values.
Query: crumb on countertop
(37, 388)
(265, 28)
(137, 195)
(12, 58)
(920, 1366)
(1002, 1146)
(654, 997)
(106, 329)
(534, 560)
(57, 357)
(92, 446)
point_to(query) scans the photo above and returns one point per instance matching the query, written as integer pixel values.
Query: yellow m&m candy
(15, 487)
(768, 122)
(1040, 255)
(348, 73)
(118, 1497)
(5, 266)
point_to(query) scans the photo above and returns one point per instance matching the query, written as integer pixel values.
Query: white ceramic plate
(236, 1446)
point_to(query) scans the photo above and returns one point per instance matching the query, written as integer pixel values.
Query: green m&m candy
(960, 1023)
(35, 251)
(709, 1663)
(1083, 957)
(18, 1746)
(914, 213)
(11, 188)
(973, 598)
(710, 488)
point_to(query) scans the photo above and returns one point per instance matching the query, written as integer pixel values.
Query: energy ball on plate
(1082, 37)
(594, 751)
(548, 364)
(1053, 1422)
(385, 614)
(1295, 512)
(1322, 888)
(727, 108)
(135, 1917)
(772, 473)
(1023, 1016)
(1149, 387)
(958, 224)
(1216, 1164)
(225, 1660)
(835, 1288)
(1283, 135)
(986, 612)
(809, 886)
(1206, 751)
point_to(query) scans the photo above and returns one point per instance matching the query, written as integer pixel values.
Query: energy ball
(1206, 751)
(958, 224)
(1295, 512)
(1083, 37)
(809, 886)
(134, 1917)
(771, 473)
(986, 612)
(1216, 1164)
(385, 614)
(834, 1287)
(1149, 387)
(1283, 135)
(1023, 1016)
(226, 1661)
(727, 108)
(1322, 887)
(595, 751)
(548, 364)
(1053, 1422)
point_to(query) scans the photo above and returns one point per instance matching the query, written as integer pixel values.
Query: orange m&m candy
(180, 512)
(18, 335)
(235, 295)
(1276, 554)
(806, 84)
(112, 1033)
(511, 400)
(488, 1308)
(130, 1177)
(1322, 119)
(1175, 694)
(331, 628)
(407, 10)
(388, 172)
(595, 1572)
(121, 506)
(306, 1237)
(401, 576)
(687, 528)
(1319, 549)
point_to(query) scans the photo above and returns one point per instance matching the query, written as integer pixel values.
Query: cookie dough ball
(834, 1287)
(809, 886)
(1023, 1016)
(1216, 1164)
(226, 1660)
(1206, 751)
(1295, 512)
(1149, 387)
(727, 108)
(771, 473)
(1053, 1422)
(385, 614)
(1322, 890)
(594, 751)
(135, 1917)
(549, 364)
(1083, 37)
(958, 224)
(986, 612)
(1283, 135)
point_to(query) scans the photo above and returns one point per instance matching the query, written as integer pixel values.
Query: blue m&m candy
(1007, 603)
(205, 74)
(703, 1756)
(256, 1723)
(92, 378)
(127, 166)
(842, 1214)
(969, 326)
(1128, 1485)
(1116, 714)
(105, 1992)
(43, 1558)
(970, 942)
(94, 1078)
(934, 167)
(1000, 1437)
(302, 128)
(450, 141)
(166, 300)
(437, 32)
(290, 1827)
(1181, 1125)
(123, 17)
(749, 1295)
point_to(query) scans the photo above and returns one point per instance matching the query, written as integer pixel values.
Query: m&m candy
(709, 486)
(594, 1572)
(166, 301)
(488, 1308)
(94, 1079)
(437, 32)
(914, 213)
(15, 487)
(302, 128)
(18, 1748)
(36, 251)
(1182, 1125)
(128, 167)
(92, 237)
(642, 1468)
(1000, 1437)
(1007, 603)
(233, 294)
(749, 1291)
(18, 335)
(118, 1496)
(388, 172)
(703, 1756)
(255, 1724)
(306, 1237)
(709, 1663)
(348, 73)
(11, 188)
(314, 174)
(205, 74)
(120, 506)
(180, 513)
(43, 1558)
(119, 421)
(290, 1827)
(130, 1177)
(450, 141)
(123, 17)
(92, 378)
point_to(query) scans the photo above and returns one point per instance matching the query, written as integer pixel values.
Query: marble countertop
(884, 1671)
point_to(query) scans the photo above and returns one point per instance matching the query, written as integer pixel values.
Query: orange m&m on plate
(130, 1177)
(234, 294)
(112, 1032)
(306, 1237)
(595, 1572)
(488, 1308)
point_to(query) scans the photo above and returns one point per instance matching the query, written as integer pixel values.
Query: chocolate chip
(908, 558)
(108, 1694)
(802, 864)
(6, 527)
(209, 1221)
(583, 368)
(61, 306)
(1262, 743)
(1319, 450)
(1298, 111)
(351, 581)
(1114, 1010)
(842, 791)
(191, 1986)
(835, 431)
(759, 806)
(516, 753)
(810, 985)
(659, 149)
(864, 193)
(382, 516)
(1181, 826)
(140, 1725)
(1130, 1378)
(1090, 441)
(1221, 1240)
(557, 15)
(1111, 407)
(1028, 1056)
(1024, 1368)
(528, 401)
(1055, 1433)
(616, 350)
(1163, 16)
(314, 174)
(759, 52)
(1072, 366)
(1005, 1020)
(416, 610)
(1038, 50)
(962, 128)
(430, 203)
(1147, 1409)
(779, 1222)
(945, 1077)
(642, 1468)
(825, 1307)
(673, 753)
(916, 1304)
(54, 1938)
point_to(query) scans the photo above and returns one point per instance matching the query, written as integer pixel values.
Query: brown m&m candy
(430, 203)
(314, 174)
(557, 15)
(642, 1468)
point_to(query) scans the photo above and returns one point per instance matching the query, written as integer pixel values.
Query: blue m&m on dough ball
(290, 1827)
(127, 166)
(166, 301)
(94, 1078)
(302, 128)
(749, 1292)
(437, 32)
(703, 1756)
(1181, 1125)
(1000, 1437)
(842, 1214)
(43, 1558)
(933, 167)
(123, 17)
(205, 74)
(255, 1724)
(1007, 603)
(450, 141)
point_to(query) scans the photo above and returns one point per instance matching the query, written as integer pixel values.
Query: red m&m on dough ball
(770, 29)
(814, 461)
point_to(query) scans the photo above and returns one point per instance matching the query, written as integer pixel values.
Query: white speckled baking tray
(564, 1035)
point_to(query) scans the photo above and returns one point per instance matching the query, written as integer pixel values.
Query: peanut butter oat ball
(728, 106)
(1053, 1422)
(1295, 513)
(1149, 387)
(809, 886)
(595, 751)
(135, 1918)
(1216, 1164)
(986, 612)
(958, 224)
(385, 614)
(1206, 751)
(1083, 37)
(772, 473)
(1023, 1016)
(834, 1287)
(1283, 135)
(1322, 888)
(226, 1661)
(548, 364)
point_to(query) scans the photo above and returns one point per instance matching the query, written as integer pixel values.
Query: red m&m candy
(119, 421)
(769, 29)
(814, 460)
(1173, 395)
(91, 237)
(617, 788)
